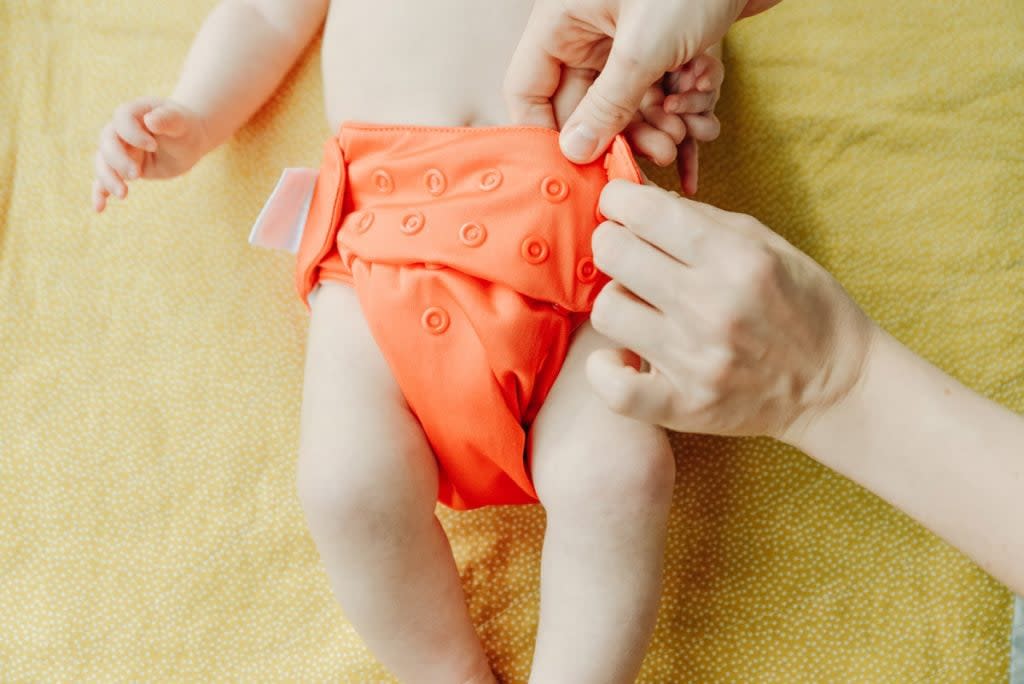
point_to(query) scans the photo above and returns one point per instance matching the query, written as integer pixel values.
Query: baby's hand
(656, 133)
(692, 93)
(146, 138)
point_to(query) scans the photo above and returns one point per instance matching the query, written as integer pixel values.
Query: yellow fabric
(151, 366)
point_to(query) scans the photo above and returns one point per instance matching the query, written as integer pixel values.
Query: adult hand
(745, 334)
(632, 43)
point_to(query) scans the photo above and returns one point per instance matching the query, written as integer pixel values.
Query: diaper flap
(283, 217)
(620, 163)
(323, 217)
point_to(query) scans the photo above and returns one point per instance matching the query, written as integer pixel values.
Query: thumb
(166, 120)
(608, 107)
(645, 396)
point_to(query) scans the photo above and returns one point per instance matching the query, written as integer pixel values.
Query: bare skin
(746, 335)
(367, 479)
(627, 45)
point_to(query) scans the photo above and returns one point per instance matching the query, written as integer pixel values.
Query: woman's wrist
(842, 415)
(921, 441)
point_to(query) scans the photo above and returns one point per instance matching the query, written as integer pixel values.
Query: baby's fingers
(671, 124)
(650, 142)
(128, 126)
(687, 164)
(99, 196)
(117, 156)
(109, 178)
(709, 73)
(166, 120)
(703, 127)
(692, 102)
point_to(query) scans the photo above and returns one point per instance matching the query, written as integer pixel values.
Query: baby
(446, 265)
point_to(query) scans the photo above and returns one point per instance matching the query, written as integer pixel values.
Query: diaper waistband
(499, 203)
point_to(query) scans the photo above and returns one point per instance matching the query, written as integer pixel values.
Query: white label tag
(280, 223)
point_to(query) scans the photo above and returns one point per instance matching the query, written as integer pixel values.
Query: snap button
(435, 320)
(472, 234)
(383, 181)
(586, 271)
(435, 181)
(363, 223)
(412, 222)
(554, 189)
(535, 249)
(490, 179)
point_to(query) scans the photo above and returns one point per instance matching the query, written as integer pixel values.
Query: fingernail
(704, 84)
(133, 173)
(579, 143)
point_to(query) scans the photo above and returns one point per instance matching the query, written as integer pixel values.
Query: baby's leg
(367, 481)
(606, 482)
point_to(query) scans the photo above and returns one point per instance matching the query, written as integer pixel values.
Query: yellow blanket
(151, 365)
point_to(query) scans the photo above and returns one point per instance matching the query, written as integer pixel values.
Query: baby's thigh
(360, 446)
(581, 449)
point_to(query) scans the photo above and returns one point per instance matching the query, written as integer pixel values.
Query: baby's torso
(428, 62)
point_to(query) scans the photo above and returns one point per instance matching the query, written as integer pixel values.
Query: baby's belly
(431, 62)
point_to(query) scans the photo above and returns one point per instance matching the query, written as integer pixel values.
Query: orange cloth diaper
(469, 249)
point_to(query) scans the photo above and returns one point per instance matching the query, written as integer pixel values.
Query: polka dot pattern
(1017, 648)
(151, 369)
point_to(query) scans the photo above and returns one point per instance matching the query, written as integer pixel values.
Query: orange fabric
(469, 249)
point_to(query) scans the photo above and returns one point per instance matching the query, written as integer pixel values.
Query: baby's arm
(239, 57)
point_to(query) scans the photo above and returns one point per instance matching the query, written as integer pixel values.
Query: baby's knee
(358, 491)
(639, 469)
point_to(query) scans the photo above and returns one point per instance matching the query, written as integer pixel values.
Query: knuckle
(763, 267)
(720, 369)
(702, 399)
(608, 111)
(636, 52)
(746, 223)
(727, 325)
(680, 210)
(697, 238)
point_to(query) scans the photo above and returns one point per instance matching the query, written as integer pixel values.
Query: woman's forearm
(943, 454)
(239, 57)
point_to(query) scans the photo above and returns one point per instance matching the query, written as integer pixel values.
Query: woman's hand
(745, 334)
(632, 43)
